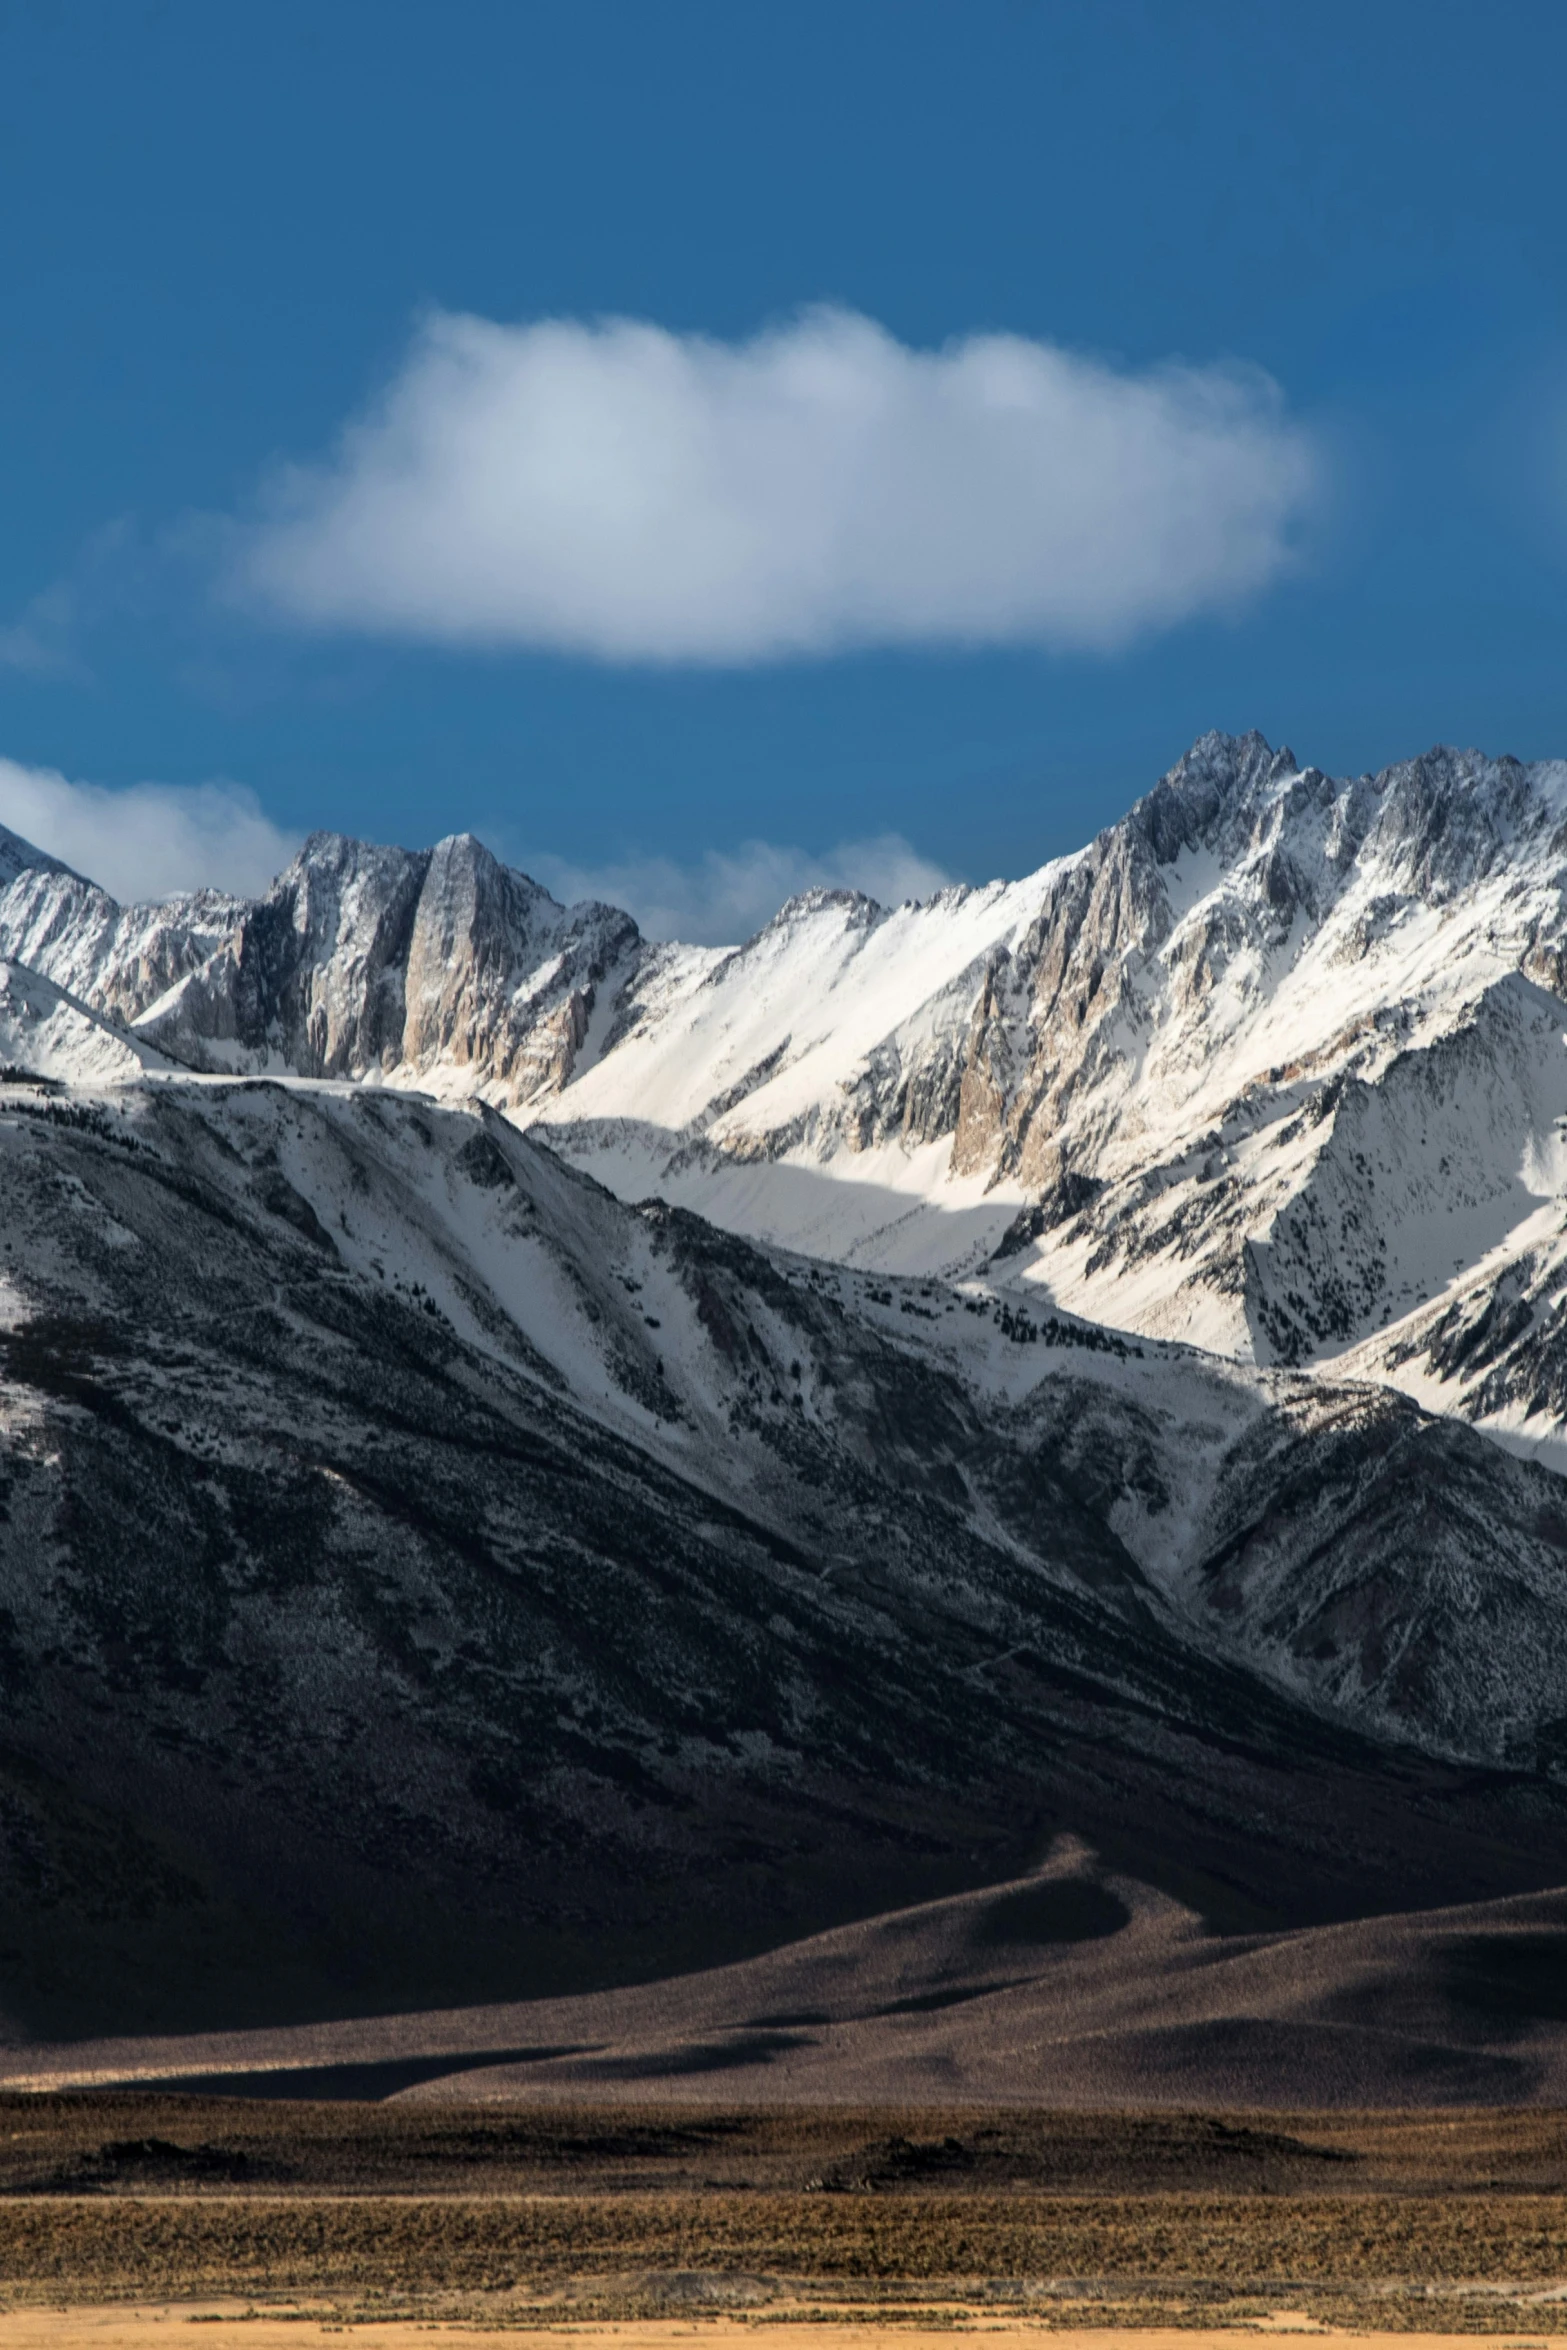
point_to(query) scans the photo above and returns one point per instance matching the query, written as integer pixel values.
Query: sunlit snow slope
(1276, 1064)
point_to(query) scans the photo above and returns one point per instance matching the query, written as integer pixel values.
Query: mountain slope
(425, 1576)
(45, 1033)
(20, 856)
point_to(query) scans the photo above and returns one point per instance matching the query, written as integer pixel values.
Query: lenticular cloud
(620, 491)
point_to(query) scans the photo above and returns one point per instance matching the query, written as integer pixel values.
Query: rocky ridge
(360, 962)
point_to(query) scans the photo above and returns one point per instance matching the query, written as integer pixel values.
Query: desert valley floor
(719, 2221)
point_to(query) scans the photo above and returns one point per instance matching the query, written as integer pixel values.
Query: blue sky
(1269, 303)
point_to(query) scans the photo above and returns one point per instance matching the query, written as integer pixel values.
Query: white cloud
(727, 896)
(621, 491)
(147, 840)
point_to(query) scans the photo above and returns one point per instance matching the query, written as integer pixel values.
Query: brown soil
(153, 2142)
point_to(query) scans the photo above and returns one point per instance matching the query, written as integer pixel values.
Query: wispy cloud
(147, 840)
(110, 576)
(620, 491)
(725, 896)
(38, 641)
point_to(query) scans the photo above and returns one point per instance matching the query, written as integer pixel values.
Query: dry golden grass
(86, 2247)
(505, 2216)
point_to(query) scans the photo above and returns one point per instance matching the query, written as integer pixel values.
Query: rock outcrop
(438, 965)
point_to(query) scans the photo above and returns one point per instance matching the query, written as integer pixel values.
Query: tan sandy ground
(170, 2328)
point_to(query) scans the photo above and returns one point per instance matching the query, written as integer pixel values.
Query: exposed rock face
(1162, 954)
(116, 959)
(360, 960)
(309, 979)
(1253, 1005)
(499, 980)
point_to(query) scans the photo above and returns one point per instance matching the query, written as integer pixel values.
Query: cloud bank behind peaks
(149, 840)
(727, 895)
(623, 492)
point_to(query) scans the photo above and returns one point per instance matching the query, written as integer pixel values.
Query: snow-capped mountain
(1056, 1413)
(1270, 1066)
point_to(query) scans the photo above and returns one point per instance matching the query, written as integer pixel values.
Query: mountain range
(532, 1459)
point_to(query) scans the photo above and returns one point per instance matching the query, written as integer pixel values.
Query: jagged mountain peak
(1448, 818)
(1192, 1077)
(1138, 1058)
(860, 910)
(1220, 769)
(1440, 815)
(1256, 970)
(1221, 777)
(329, 852)
(457, 861)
